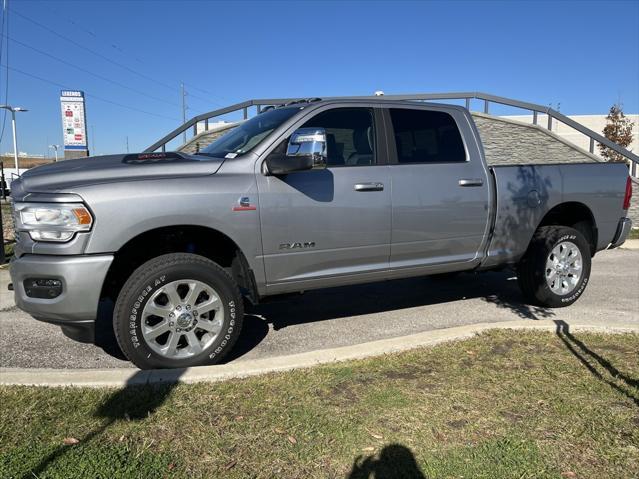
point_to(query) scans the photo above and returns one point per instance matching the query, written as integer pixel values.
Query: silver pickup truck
(310, 195)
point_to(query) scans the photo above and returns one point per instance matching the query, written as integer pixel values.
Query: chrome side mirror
(306, 150)
(309, 143)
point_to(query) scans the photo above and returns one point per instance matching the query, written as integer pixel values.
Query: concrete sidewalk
(6, 296)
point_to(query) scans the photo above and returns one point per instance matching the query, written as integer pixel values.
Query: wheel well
(199, 240)
(577, 216)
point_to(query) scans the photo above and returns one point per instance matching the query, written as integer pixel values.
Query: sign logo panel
(74, 123)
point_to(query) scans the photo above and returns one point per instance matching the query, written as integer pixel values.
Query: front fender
(125, 210)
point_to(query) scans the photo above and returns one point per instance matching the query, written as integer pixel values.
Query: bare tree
(618, 129)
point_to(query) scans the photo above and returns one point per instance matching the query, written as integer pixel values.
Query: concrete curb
(630, 244)
(123, 377)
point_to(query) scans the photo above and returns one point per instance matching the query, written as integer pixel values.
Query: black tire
(152, 276)
(531, 270)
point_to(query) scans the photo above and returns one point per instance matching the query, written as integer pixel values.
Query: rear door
(323, 225)
(440, 197)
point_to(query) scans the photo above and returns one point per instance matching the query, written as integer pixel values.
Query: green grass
(8, 250)
(634, 233)
(507, 404)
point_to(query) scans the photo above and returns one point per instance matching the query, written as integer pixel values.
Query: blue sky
(583, 55)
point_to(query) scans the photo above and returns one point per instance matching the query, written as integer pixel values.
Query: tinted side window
(423, 136)
(350, 135)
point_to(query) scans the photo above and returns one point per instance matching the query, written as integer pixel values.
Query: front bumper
(623, 230)
(82, 278)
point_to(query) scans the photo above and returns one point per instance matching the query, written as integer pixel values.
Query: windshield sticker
(230, 155)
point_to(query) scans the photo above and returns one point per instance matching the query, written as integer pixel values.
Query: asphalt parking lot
(355, 314)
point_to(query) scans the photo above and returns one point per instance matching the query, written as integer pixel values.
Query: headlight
(52, 221)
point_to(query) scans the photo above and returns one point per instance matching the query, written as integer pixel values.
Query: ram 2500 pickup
(310, 195)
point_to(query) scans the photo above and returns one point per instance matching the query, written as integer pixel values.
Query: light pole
(13, 110)
(55, 148)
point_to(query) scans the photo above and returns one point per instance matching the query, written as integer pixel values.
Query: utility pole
(93, 140)
(3, 182)
(184, 108)
(127, 144)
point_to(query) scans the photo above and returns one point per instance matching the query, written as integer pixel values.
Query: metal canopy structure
(534, 108)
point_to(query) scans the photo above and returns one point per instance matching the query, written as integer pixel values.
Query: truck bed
(525, 194)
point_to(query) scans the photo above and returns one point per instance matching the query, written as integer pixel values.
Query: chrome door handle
(471, 182)
(369, 186)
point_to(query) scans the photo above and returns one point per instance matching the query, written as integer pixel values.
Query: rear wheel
(178, 310)
(555, 270)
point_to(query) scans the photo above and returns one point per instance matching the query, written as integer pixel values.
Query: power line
(60, 85)
(118, 48)
(109, 59)
(204, 99)
(79, 45)
(203, 91)
(122, 85)
(79, 26)
(206, 92)
(4, 14)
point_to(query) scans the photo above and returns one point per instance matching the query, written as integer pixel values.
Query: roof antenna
(379, 93)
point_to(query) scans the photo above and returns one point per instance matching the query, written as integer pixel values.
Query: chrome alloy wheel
(563, 268)
(182, 319)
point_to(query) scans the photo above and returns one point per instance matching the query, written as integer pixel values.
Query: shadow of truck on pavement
(496, 287)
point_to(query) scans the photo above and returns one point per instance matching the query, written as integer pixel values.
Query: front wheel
(178, 310)
(555, 270)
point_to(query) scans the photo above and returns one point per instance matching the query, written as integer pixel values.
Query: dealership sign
(74, 123)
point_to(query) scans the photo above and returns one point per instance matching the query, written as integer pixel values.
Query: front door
(323, 225)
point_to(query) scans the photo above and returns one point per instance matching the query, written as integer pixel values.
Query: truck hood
(65, 175)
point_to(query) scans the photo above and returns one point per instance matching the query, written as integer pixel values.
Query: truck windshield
(249, 134)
